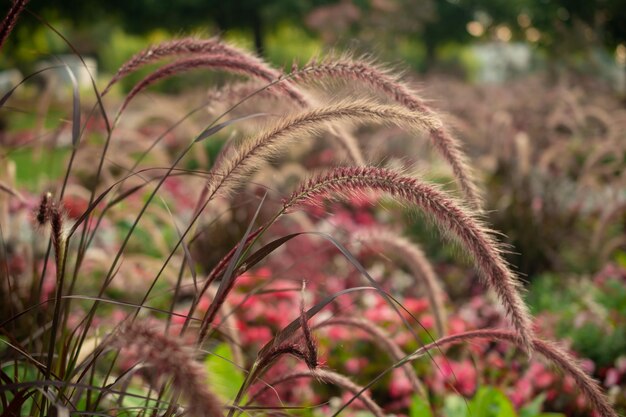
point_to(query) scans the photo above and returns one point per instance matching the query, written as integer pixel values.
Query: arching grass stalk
(552, 352)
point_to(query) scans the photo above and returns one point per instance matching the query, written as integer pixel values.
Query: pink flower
(466, 377)
(354, 365)
(257, 334)
(523, 391)
(380, 313)
(427, 321)
(461, 375)
(544, 380)
(456, 325)
(494, 360)
(338, 333)
(612, 377)
(400, 385)
(541, 377)
(415, 305)
(364, 218)
(569, 385)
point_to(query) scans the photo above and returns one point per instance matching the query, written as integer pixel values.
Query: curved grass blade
(75, 107)
(216, 128)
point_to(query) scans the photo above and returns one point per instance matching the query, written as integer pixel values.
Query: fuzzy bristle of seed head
(380, 79)
(242, 160)
(44, 209)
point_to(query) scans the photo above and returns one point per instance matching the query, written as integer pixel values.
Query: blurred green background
(423, 34)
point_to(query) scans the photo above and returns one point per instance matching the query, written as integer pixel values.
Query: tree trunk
(257, 29)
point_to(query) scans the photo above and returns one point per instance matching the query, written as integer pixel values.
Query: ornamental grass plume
(391, 86)
(221, 62)
(49, 212)
(242, 160)
(551, 351)
(193, 46)
(421, 269)
(172, 359)
(451, 217)
(11, 19)
(177, 47)
(212, 53)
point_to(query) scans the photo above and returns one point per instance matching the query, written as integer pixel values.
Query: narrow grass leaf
(75, 107)
(210, 131)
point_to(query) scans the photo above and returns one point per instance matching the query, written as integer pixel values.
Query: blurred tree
(435, 21)
(140, 16)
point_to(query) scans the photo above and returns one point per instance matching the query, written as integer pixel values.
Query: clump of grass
(55, 353)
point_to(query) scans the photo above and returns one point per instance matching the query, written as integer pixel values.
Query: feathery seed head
(44, 209)
(451, 217)
(243, 160)
(389, 84)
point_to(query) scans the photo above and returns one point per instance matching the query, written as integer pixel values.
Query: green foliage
(490, 402)
(569, 300)
(419, 408)
(33, 167)
(289, 42)
(225, 378)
